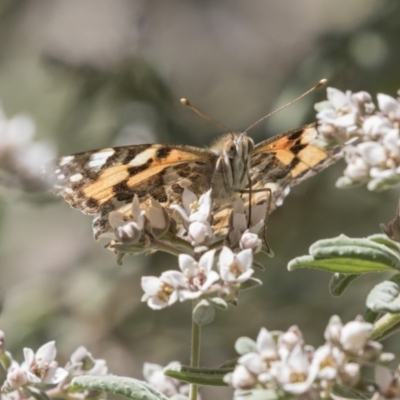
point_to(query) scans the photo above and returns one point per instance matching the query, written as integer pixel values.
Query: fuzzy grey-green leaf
(386, 241)
(128, 387)
(350, 255)
(385, 297)
(245, 345)
(340, 265)
(203, 313)
(199, 376)
(340, 282)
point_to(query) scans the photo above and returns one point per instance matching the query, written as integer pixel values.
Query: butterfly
(98, 182)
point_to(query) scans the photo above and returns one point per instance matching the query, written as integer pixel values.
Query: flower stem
(195, 353)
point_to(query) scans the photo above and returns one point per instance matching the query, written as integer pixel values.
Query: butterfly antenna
(187, 103)
(322, 82)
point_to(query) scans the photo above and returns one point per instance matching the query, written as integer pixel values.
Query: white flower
(200, 232)
(388, 382)
(16, 378)
(241, 230)
(326, 362)
(293, 373)
(196, 215)
(154, 375)
(389, 106)
(127, 230)
(373, 153)
(289, 340)
(158, 218)
(235, 268)
(163, 291)
(83, 363)
(41, 366)
(199, 275)
(355, 335)
(242, 378)
(194, 209)
(371, 139)
(341, 112)
(21, 158)
(251, 241)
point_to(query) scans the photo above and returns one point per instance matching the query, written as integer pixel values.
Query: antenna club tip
(185, 102)
(322, 82)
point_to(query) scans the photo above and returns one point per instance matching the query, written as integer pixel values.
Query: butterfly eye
(231, 151)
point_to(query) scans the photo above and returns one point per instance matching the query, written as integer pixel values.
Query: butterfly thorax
(233, 164)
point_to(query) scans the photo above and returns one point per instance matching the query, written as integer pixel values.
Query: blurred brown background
(95, 73)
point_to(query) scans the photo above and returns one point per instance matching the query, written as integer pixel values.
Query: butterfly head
(239, 147)
(235, 152)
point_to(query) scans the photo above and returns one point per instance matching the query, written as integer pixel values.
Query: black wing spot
(163, 152)
(135, 170)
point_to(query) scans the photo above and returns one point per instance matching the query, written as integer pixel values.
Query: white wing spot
(143, 157)
(76, 177)
(97, 160)
(61, 176)
(66, 160)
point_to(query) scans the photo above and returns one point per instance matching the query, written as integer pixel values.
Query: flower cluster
(282, 363)
(371, 136)
(187, 232)
(197, 278)
(21, 157)
(40, 370)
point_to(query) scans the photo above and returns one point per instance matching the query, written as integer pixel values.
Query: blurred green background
(95, 73)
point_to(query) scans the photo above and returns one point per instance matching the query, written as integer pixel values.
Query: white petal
(46, 353)
(29, 356)
(245, 258)
(226, 257)
(182, 212)
(207, 260)
(150, 285)
(55, 375)
(187, 264)
(373, 153)
(387, 104)
(212, 277)
(155, 303)
(336, 97)
(188, 198)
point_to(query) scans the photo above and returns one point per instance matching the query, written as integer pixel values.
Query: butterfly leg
(249, 191)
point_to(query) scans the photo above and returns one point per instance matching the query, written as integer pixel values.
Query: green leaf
(385, 240)
(219, 303)
(245, 345)
(250, 283)
(348, 256)
(340, 282)
(385, 297)
(203, 313)
(198, 376)
(128, 387)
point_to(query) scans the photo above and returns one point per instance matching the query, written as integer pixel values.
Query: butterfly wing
(280, 162)
(288, 159)
(98, 182)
